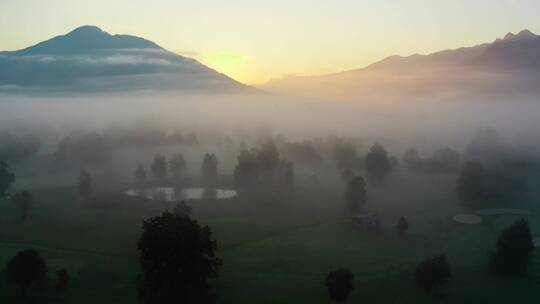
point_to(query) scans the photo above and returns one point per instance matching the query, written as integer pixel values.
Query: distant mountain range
(506, 67)
(91, 60)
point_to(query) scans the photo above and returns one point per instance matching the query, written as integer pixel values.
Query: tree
(339, 284)
(356, 194)
(23, 200)
(377, 163)
(347, 175)
(140, 176)
(6, 178)
(412, 159)
(445, 160)
(177, 258)
(177, 166)
(402, 226)
(26, 271)
(85, 184)
(433, 273)
(209, 169)
(344, 153)
(268, 156)
(513, 250)
(247, 170)
(182, 209)
(61, 280)
(470, 184)
(159, 167)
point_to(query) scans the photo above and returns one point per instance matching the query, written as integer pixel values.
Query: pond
(469, 219)
(171, 194)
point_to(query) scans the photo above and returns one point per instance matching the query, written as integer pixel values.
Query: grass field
(281, 254)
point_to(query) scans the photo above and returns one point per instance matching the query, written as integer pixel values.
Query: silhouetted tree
(412, 159)
(26, 271)
(209, 169)
(182, 209)
(85, 184)
(268, 156)
(159, 167)
(344, 154)
(177, 166)
(356, 194)
(177, 258)
(6, 178)
(140, 176)
(61, 281)
(17, 148)
(377, 163)
(513, 250)
(470, 184)
(23, 200)
(402, 226)
(445, 160)
(347, 175)
(485, 145)
(339, 284)
(263, 166)
(247, 170)
(433, 273)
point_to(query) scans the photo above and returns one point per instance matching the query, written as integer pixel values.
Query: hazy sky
(253, 41)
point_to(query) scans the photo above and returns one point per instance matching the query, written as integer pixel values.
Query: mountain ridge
(90, 59)
(479, 65)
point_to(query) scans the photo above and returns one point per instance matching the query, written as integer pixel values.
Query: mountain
(89, 59)
(504, 67)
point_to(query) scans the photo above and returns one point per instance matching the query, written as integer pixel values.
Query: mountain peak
(523, 35)
(87, 38)
(87, 29)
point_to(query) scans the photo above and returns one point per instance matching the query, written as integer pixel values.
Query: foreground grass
(278, 254)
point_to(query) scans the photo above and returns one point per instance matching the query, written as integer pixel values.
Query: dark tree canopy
(23, 200)
(513, 250)
(433, 273)
(344, 154)
(412, 159)
(445, 160)
(377, 163)
(177, 258)
(339, 284)
(268, 156)
(6, 178)
(402, 226)
(356, 194)
(247, 170)
(82, 149)
(263, 166)
(470, 184)
(479, 185)
(209, 169)
(26, 271)
(303, 153)
(85, 184)
(177, 166)
(140, 176)
(17, 148)
(159, 167)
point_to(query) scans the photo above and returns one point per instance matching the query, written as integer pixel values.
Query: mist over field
(172, 155)
(426, 123)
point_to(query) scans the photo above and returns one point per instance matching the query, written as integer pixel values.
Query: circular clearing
(469, 219)
(501, 211)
